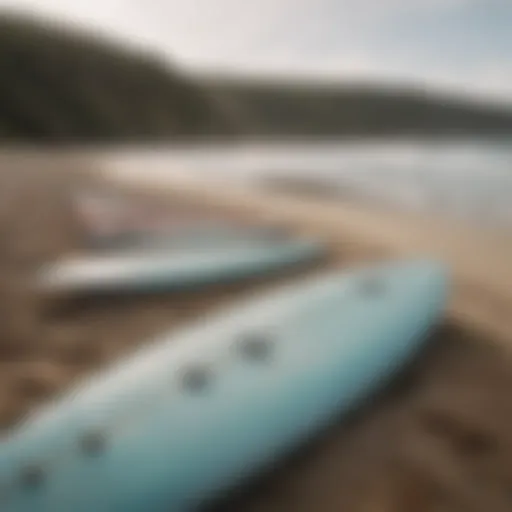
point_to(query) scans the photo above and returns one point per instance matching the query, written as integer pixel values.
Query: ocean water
(467, 179)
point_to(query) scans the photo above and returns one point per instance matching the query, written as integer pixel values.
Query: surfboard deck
(195, 412)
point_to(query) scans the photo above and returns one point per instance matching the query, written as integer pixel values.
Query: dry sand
(438, 440)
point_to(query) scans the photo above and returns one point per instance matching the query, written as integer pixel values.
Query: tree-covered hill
(295, 108)
(61, 85)
(57, 85)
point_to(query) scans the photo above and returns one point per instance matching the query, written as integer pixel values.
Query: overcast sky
(459, 44)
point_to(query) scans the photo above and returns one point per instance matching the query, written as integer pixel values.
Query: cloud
(448, 43)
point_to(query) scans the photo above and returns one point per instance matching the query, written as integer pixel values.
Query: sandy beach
(438, 439)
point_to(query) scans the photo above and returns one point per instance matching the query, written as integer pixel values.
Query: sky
(459, 45)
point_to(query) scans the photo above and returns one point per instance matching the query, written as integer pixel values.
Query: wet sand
(438, 440)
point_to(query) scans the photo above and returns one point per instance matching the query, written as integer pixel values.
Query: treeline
(57, 86)
(280, 108)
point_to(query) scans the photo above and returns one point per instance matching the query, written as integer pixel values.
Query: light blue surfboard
(168, 270)
(190, 236)
(195, 412)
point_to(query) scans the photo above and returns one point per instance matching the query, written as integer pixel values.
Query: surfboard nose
(427, 279)
(413, 276)
(413, 293)
(422, 288)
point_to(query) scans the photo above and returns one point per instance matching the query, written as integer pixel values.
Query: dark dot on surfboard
(32, 477)
(196, 379)
(93, 443)
(255, 347)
